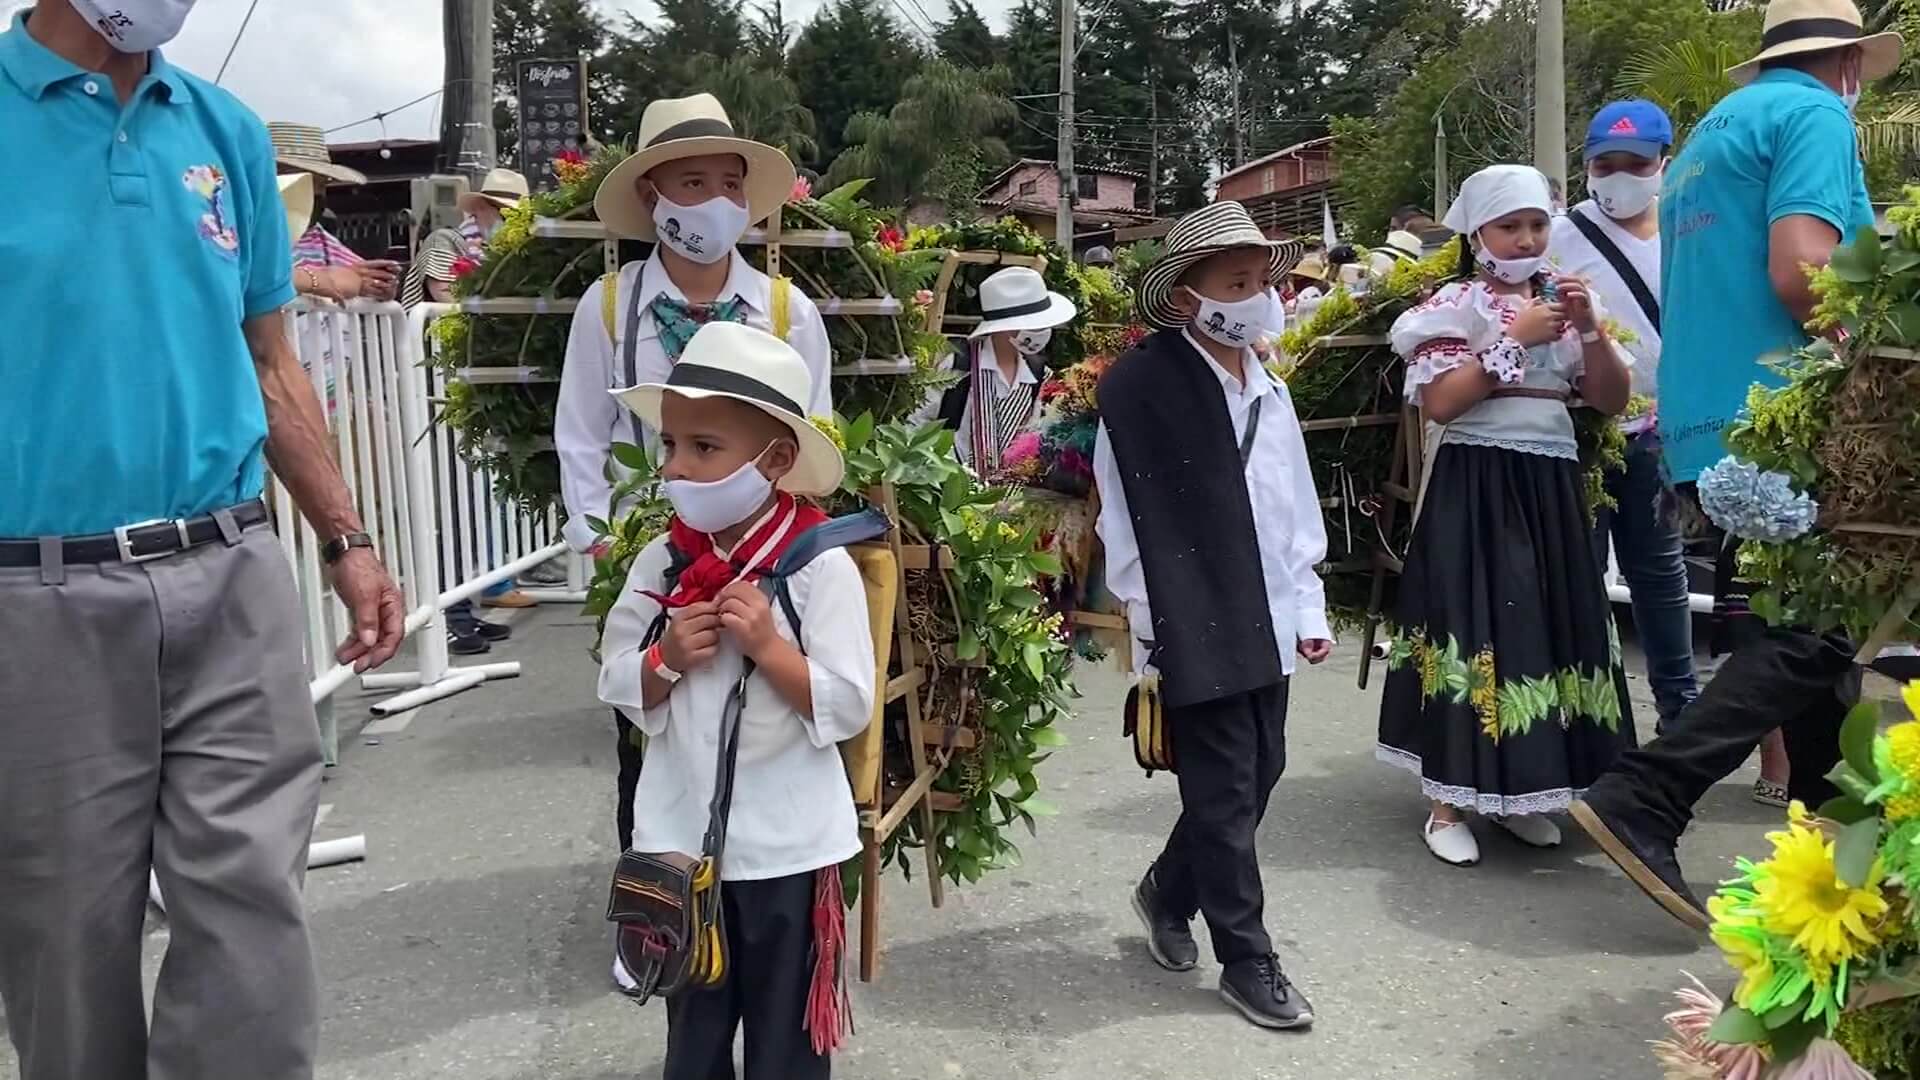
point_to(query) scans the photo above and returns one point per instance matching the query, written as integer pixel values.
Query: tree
(1033, 66)
(965, 40)
(763, 105)
(935, 146)
(767, 36)
(852, 58)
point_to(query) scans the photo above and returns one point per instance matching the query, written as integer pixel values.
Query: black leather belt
(136, 543)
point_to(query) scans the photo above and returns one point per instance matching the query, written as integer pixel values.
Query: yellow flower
(1799, 896)
(1910, 694)
(826, 426)
(1747, 953)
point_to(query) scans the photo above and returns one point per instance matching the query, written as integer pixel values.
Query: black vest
(1167, 421)
(953, 403)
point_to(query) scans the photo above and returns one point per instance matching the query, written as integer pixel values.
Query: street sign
(553, 114)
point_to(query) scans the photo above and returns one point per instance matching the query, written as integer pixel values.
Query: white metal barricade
(433, 519)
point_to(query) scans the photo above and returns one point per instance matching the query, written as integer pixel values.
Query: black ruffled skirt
(1504, 687)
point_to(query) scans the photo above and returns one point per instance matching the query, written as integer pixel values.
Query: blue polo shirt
(1780, 146)
(136, 239)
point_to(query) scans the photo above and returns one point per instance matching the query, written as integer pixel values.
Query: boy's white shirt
(1288, 526)
(1571, 252)
(588, 420)
(792, 808)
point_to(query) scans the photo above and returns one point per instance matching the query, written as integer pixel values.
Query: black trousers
(770, 945)
(1775, 677)
(1230, 753)
(630, 757)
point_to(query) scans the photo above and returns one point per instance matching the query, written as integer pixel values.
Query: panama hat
(676, 128)
(1402, 244)
(1208, 231)
(1017, 299)
(296, 190)
(731, 360)
(1794, 27)
(1313, 268)
(304, 147)
(503, 188)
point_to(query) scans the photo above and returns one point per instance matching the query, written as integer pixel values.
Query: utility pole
(1442, 191)
(1153, 157)
(1233, 78)
(1550, 93)
(466, 125)
(1063, 214)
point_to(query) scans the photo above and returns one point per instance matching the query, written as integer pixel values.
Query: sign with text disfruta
(553, 114)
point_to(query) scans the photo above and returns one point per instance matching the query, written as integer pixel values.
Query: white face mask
(705, 233)
(713, 505)
(135, 26)
(1511, 271)
(1032, 342)
(1622, 194)
(1851, 98)
(1235, 323)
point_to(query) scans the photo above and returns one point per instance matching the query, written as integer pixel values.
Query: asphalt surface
(471, 942)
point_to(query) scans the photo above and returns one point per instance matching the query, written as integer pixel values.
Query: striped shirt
(318, 247)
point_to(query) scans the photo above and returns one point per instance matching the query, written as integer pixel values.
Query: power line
(222, 73)
(382, 115)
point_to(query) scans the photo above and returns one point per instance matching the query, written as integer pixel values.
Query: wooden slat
(885, 305)
(893, 365)
(493, 376)
(1349, 341)
(1386, 561)
(1097, 620)
(518, 305)
(901, 685)
(902, 801)
(1342, 423)
(1398, 491)
(949, 735)
(922, 556)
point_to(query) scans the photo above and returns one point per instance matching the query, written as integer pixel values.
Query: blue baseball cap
(1635, 127)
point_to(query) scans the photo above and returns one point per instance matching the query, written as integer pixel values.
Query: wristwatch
(336, 549)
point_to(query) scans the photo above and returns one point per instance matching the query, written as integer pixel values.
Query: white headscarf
(1496, 191)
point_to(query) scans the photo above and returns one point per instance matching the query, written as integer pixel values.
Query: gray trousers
(157, 715)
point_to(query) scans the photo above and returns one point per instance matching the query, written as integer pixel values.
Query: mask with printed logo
(705, 233)
(1234, 323)
(134, 26)
(1032, 342)
(1621, 195)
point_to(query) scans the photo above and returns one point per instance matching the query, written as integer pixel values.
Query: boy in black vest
(1212, 530)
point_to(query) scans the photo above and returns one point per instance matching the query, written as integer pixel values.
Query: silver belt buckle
(122, 540)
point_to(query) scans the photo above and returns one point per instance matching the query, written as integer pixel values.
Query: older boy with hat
(738, 449)
(1212, 530)
(1612, 241)
(1006, 361)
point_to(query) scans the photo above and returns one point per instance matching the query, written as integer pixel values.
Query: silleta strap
(1802, 29)
(1253, 425)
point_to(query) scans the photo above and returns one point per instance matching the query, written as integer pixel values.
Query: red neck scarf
(706, 572)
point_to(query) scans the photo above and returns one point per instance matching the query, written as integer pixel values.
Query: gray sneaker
(1169, 936)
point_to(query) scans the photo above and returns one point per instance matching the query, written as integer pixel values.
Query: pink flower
(1024, 447)
(1689, 1054)
(891, 238)
(464, 265)
(923, 298)
(802, 190)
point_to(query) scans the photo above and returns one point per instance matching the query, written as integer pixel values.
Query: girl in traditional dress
(1504, 689)
(1006, 362)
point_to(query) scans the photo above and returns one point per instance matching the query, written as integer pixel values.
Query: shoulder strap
(1253, 426)
(809, 545)
(782, 298)
(609, 305)
(1621, 264)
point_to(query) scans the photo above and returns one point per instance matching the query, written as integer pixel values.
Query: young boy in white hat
(693, 187)
(738, 449)
(1006, 360)
(1212, 530)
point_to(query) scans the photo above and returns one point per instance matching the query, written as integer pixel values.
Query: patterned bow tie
(678, 320)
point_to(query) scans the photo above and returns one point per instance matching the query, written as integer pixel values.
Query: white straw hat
(296, 191)
(503, 188)
(304, 147)
(1793, 27)
(1221, 226)
(732, 360)
(675, 128)
(1017, 299)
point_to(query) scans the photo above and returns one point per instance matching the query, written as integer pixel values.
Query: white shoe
(621, 978)
(1451, 842)
(1536, 830)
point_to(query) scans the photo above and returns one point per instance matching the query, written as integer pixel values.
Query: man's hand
(692, 637)
(1315, 650)
(748, 618)
(379, 278)
(379, 614)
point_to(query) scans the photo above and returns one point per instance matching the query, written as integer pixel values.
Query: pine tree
(1033, 64)
(937, 145)
(965, 40)
(852, 58)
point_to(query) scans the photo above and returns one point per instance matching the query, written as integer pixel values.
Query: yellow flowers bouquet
(1824, 932)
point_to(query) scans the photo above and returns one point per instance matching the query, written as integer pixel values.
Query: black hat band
(718, 380)
(703, 128)
(993, 314)
(1802, 29)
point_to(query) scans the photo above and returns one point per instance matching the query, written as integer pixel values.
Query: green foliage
(937, 144)
(763, 104)
(854, 57)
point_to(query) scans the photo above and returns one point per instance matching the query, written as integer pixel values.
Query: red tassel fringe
(829, 1005)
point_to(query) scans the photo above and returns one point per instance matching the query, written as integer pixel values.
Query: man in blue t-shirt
(1767, 185)
(154, 703)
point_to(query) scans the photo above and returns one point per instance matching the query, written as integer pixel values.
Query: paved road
(471, 944)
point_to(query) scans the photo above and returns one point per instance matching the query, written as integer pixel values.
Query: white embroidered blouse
(1467, 321)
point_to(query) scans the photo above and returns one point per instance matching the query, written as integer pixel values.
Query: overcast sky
(337, 61)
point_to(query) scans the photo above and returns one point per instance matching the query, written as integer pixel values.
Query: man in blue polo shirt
(154, 710)
(1768, 184)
